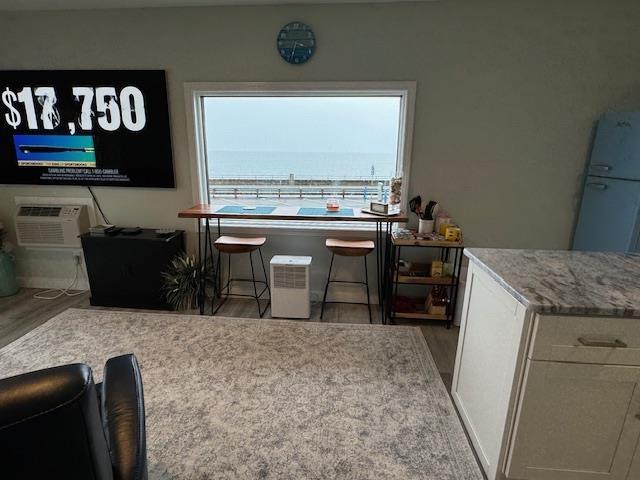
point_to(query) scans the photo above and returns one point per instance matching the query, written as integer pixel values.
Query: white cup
(425, 226)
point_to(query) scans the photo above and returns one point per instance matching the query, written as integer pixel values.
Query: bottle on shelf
(437, 301)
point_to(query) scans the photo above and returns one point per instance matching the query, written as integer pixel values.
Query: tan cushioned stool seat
(239, 244)
(351, 248)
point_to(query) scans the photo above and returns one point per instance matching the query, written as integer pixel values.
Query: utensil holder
(425, 226)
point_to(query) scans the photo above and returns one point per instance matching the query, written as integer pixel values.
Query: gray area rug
(270, 399)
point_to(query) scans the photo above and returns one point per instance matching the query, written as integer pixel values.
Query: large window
(298, 146)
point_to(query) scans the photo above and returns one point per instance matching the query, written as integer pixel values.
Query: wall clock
(296, 43)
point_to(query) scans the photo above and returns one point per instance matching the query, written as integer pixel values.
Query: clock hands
(295, 44)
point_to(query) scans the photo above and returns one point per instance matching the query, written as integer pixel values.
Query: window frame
(195, 92)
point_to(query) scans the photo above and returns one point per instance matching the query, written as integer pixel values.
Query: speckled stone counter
(566, 282)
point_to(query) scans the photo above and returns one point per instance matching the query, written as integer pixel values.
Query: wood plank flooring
(21, 313)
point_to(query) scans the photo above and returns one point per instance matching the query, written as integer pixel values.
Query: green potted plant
(8, 283)
(181, 282)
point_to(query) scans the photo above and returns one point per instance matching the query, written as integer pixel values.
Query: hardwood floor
(21, 313)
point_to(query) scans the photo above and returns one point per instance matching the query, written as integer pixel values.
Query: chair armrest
(50, 426)
(123, 417)
(33, 394)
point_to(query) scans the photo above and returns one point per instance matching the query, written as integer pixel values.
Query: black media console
(125, 270)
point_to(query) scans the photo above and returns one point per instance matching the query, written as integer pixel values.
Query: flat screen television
(85, 127)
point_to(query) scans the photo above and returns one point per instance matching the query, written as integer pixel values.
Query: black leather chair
(57, 424)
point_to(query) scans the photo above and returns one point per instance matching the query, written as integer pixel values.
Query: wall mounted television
(85, 127)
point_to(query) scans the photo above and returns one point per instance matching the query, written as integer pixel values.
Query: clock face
(296, 43)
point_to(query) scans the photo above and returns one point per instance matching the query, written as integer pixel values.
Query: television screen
(85, 127)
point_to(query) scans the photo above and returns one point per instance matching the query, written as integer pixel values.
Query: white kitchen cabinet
(576, 421)
(489, 352)
(546, 395)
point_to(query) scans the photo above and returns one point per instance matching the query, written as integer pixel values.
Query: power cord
(59, 292)
(95, 199)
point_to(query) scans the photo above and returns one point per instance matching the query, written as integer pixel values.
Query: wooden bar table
(218, 212)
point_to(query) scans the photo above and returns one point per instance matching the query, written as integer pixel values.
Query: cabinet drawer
(602, 340)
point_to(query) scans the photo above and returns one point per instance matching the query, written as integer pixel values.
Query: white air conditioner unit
(290, 294)
(51, 225)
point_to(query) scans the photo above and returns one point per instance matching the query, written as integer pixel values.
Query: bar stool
(238, 245)
(348, 248)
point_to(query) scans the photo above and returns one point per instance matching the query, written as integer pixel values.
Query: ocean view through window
(302, 149)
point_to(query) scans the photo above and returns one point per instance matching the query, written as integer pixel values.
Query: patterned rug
(270, 399)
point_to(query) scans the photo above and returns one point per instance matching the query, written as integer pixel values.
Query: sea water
(302, 165)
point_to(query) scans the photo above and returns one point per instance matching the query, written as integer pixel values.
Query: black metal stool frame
(227, 286)
(365, 283)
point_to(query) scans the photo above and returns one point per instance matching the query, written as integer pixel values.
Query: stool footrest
(347, 303)
(347, 281)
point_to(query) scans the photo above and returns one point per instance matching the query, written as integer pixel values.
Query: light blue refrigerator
(609, 217)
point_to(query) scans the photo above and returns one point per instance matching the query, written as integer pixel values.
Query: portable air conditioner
(290, 294)
(51, 225)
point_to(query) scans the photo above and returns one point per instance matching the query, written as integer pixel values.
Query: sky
(302, 124)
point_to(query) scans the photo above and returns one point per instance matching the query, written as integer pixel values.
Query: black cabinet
(125, 270)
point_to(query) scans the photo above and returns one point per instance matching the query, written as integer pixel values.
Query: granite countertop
(566, 282)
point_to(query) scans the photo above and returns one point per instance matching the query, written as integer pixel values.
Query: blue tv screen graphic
(55, 150)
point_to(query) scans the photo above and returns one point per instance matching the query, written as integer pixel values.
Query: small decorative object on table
(383, 208)
(396, 190)
(442, 221)
(452, 234)
(333, 204)
(8, 283)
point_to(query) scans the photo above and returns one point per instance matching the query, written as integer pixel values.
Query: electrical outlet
(77, 258)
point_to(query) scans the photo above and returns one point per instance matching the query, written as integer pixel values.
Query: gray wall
(508, 93)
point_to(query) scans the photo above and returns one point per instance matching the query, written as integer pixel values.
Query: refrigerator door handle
(597, 186)
(601, 167)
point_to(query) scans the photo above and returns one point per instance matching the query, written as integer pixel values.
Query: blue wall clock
(296, 43)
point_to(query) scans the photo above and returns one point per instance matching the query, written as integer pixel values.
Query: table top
(204, 210)
(402, 241)
(564, 282)
(146, 234)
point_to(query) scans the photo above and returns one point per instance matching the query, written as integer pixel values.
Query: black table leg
(203, 283)
(213, 266)
(393, 284)
(386, 270)
(200, 275)
(379, 272)
(457, 268)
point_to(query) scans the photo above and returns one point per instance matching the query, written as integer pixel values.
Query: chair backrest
(51, 427)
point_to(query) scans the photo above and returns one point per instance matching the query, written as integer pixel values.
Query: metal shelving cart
(447, 249)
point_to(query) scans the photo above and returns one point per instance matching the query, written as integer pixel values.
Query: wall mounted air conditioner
(290, 293)
(47, 226)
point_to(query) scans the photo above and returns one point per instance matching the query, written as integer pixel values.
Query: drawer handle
(602, 343)
(604, 168)
(597, 186)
